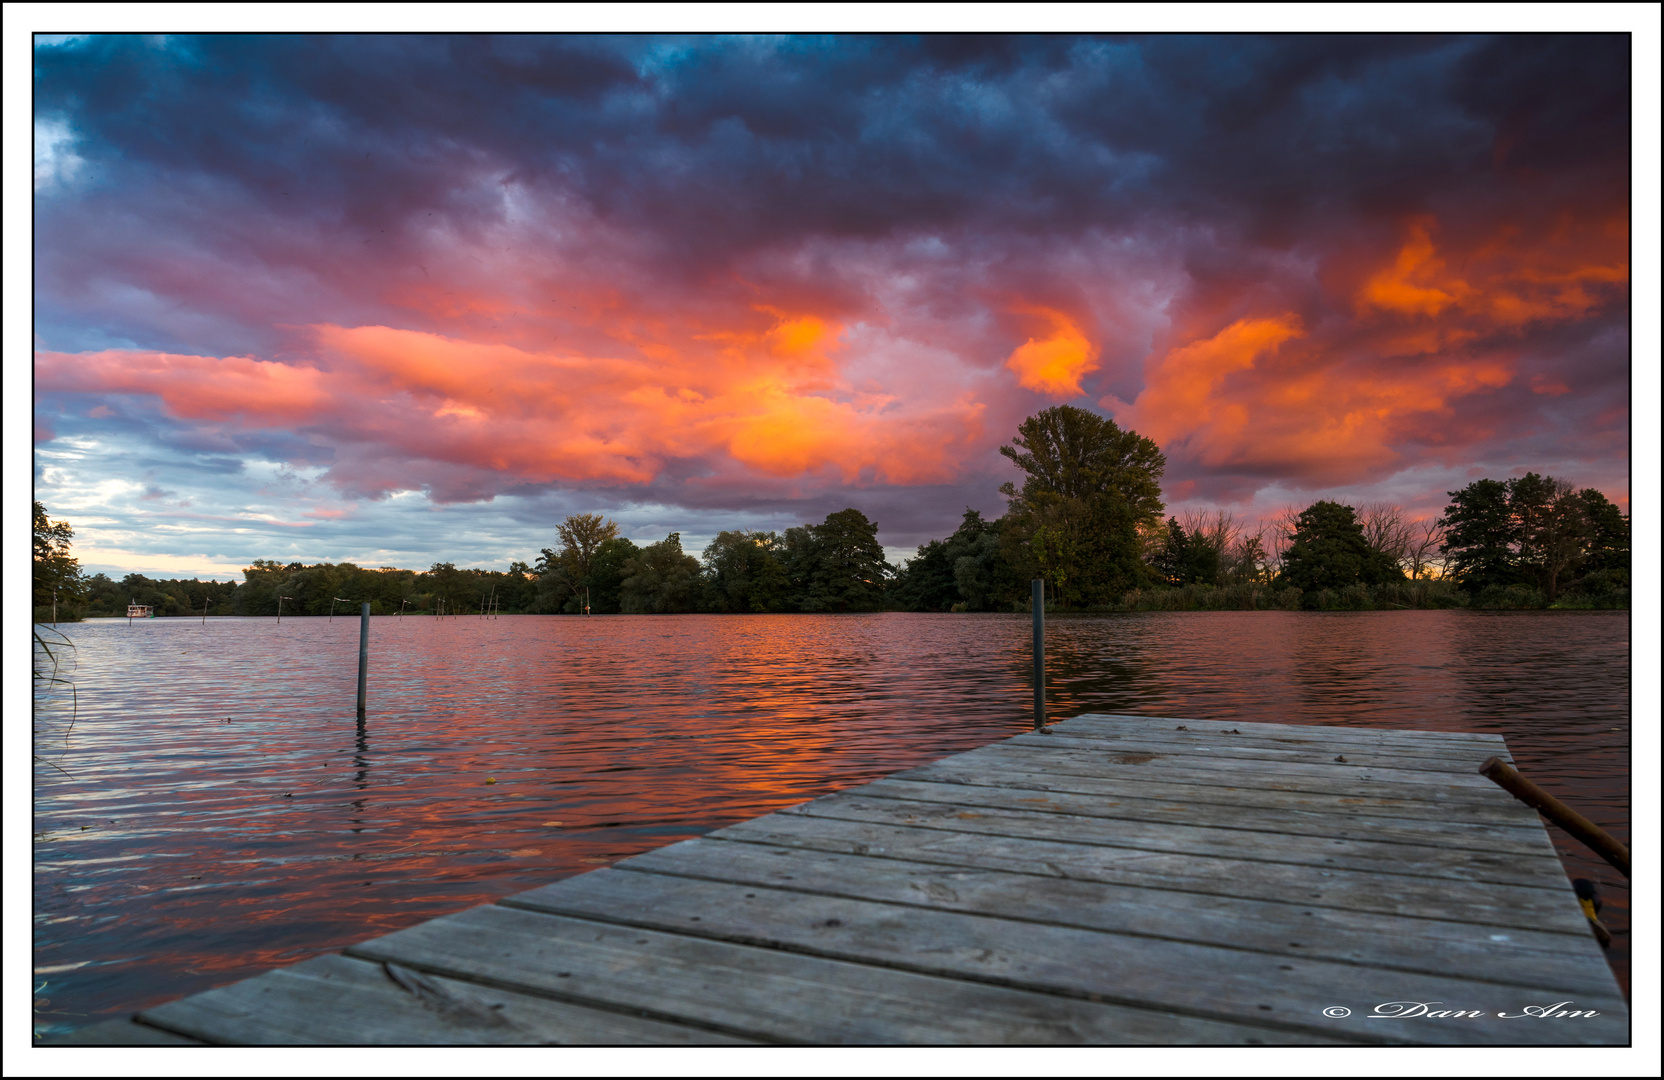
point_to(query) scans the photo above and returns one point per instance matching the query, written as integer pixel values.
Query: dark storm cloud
(715, 143)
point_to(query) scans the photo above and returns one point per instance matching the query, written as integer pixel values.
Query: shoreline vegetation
(1088, 518)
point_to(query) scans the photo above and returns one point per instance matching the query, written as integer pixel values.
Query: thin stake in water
(363, 653)
(1038, 592)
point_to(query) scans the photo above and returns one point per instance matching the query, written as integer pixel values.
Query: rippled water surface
(224, 812)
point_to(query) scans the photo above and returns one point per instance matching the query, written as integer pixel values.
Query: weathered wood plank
(1332, 779)
(120, 1032)
(1525, 840)
(336, 1000)
(1225, 984)
(1550, 909)
(1523, 958)
(1290, 737)
(769, 994)
(1230, 747)
(1231, 779)
(1038, 779)
(1399, 858)
(1243, 753)
(1384, 738)
(1393, 734)
(1249, 762)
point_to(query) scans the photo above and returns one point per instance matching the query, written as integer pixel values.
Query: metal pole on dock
(363, 653)
(1038, 589)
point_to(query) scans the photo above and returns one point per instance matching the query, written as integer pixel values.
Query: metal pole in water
(1038, 590)
(363, 653)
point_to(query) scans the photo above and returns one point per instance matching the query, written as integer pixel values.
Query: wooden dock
(1121, 880)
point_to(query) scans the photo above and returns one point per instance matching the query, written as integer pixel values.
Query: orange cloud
(1182, 394)
(1329, 400)
(1416, 283)
(768, 401)
(1056, 364)
(1222, 403)
(192, 387)
(1504, 284)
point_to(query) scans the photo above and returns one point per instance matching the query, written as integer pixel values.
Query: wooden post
(363, 653)
(55, 609)
(1598, 839)
(205, 611)
(1038, 591)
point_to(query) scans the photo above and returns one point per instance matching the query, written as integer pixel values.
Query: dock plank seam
(1285, 729)
(1005, 982)
(1032, 781)
(1068, 767)
(1131, 814)
(1245, 741)
(1401, 774)
(1511, 883)
(1019, 779)
(1058, 874)
(1547, 857)
(892, 902)
(358, 952)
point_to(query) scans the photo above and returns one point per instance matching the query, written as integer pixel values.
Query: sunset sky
(397, 300)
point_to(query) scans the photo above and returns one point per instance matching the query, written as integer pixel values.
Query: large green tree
(1607, 551)
(1553, 529)
(1329, 551)
(986, 579)
(837, 565)
(660, 579)
(1075, 453)
(567, 578)
(56, 572)
(1480, 536)
(967, 568)
(606, 575)
(1089, 490)
(1534, 530)
(744, 572)
(1187, 557)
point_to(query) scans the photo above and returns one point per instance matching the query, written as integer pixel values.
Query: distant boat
(140, 611)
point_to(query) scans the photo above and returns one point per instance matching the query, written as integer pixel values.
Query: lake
(220, 811)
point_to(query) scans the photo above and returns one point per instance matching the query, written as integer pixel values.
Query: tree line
(837, 565)
(1087, 518)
